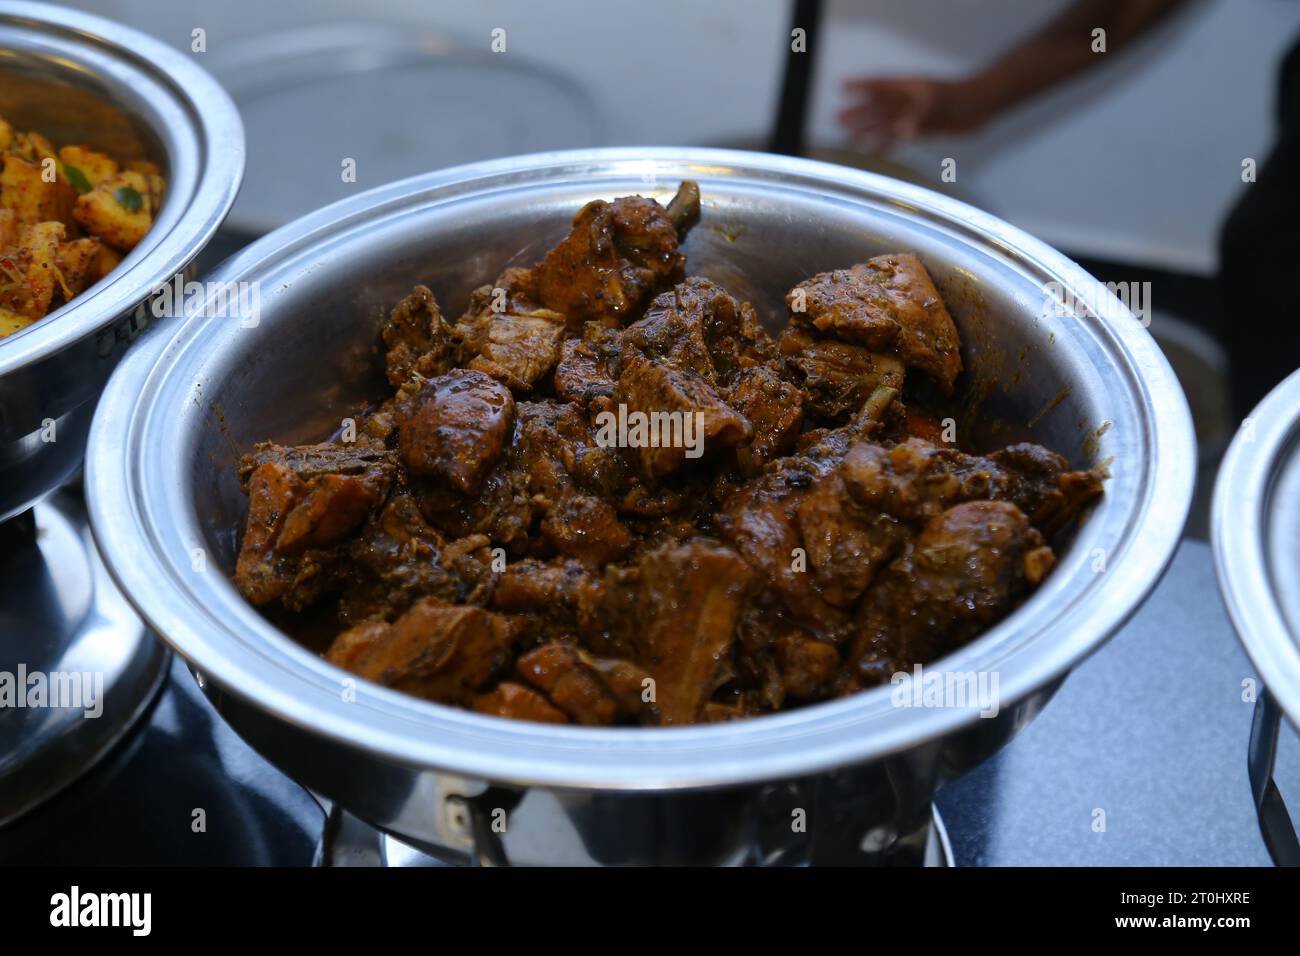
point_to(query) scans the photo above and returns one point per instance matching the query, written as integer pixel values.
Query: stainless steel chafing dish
(1088, 380)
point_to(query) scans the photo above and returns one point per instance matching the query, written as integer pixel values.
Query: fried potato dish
(67, 217)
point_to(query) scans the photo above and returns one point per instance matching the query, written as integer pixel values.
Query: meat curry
(605, 495)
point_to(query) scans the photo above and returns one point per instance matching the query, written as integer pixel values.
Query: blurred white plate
(396, 101)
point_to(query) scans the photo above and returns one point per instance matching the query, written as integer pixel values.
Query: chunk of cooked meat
(692, 596)
(737, 340)
(417, 338)
(589, 689)
(774, 408)
(560, 599)
(398, 558)
(538, 587)
(582, 373)
(260, 575)
(685, 416)
(886, 303)
(309, 462)
(809, 668)
(516, 349)
(606, 496)
(837, 377)
(349, 647)
(1048, 491)
(967, 569)
(516, 701)
(917, 479)
(440, 653)
(584, 527)
(457, 429)
(552, 456)
(846, 544)
(547, 441)
(528, 479)
(672, 331)
(847, 305)
(298, 510)
(501, 509)
(760, 521)
(508, 336)
(331, 507)
(616, 254)
(698, 326)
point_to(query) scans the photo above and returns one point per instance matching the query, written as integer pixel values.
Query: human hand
(884, 110)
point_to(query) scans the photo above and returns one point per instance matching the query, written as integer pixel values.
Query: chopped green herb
(78, 179)
(128, 198)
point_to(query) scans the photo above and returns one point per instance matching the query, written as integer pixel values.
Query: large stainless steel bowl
(82, 79)
(1255, 527)
(162, 484)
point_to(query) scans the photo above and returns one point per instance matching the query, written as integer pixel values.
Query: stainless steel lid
(160, 469)
(77, 667)
(1255, 527)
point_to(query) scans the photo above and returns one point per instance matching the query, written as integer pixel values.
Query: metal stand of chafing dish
(65, 628)
(1274, 822)
(347, 841)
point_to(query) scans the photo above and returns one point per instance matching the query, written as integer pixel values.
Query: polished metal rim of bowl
(199, 128)
(1255, 527)
(145, 524)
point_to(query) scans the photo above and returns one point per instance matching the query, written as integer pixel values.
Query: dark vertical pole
(792, 110)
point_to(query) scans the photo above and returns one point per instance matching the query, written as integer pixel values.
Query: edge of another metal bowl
(212, 160)
(1244, 519)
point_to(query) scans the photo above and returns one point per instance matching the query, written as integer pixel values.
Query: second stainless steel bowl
(1255, 527)
(166, 507)
(81, 79)
(1255, 524)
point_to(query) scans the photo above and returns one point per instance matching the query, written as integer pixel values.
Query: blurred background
(1129, 161)
(1130, 166)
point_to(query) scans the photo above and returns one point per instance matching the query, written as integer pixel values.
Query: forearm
(1062, 49)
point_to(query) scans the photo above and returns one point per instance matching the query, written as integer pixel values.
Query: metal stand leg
(1274, 821)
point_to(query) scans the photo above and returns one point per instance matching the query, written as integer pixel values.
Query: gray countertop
(1152, 731)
